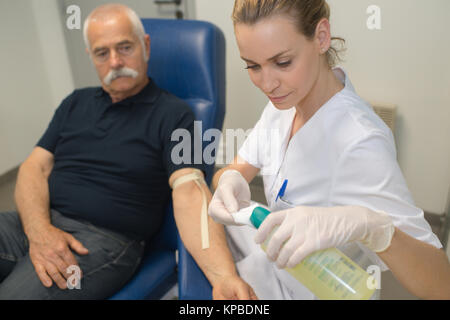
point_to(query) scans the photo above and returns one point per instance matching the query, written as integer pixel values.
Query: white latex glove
(232, 194)
(309, 229)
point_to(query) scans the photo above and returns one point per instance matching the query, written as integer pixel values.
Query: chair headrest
(191, 52)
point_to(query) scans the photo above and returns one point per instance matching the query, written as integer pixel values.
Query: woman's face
(281, 61)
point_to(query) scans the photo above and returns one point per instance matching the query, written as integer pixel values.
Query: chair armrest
(192, 283)
(156, 275)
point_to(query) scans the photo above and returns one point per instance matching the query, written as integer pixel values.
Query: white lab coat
(344, 155)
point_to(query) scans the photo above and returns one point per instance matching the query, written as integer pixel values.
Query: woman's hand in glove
(232, 194)
(304, 230)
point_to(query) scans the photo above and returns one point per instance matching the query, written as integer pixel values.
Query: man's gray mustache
(116, 73)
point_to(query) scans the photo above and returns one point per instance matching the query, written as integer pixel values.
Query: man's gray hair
(136, 22)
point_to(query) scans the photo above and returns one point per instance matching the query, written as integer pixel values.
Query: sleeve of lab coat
(367, 174)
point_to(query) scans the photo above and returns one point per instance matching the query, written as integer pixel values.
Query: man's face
(118, 54)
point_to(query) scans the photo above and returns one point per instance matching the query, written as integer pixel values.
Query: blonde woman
(335, 156)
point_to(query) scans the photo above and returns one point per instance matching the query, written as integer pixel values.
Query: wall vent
(387, 113)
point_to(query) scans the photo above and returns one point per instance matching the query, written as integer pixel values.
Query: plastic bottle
(329, 274)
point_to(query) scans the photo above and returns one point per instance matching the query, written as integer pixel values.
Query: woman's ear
(323, 35)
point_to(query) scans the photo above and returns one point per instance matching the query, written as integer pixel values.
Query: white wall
(49, 28)
(405, 63)
(34, 76)
(244, 102)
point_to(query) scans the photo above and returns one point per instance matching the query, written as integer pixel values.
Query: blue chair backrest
(187, 58)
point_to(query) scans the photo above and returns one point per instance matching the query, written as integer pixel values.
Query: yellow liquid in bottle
(330, 275)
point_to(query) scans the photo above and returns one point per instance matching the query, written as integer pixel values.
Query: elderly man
(93, 190)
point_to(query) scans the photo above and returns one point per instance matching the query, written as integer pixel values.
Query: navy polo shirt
(113, 160)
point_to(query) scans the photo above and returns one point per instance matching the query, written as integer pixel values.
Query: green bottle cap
(258, 216)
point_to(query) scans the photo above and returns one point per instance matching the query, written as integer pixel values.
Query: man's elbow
(186, 195)
(29, 168)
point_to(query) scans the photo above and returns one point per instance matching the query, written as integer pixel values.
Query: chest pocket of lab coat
(282, 204)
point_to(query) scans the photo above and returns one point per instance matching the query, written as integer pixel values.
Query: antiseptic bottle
(329, 274)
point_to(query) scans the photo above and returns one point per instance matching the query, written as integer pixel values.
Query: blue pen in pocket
(282, 189)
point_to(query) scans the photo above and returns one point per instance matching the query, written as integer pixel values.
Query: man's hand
(233, 288)
(51, 255)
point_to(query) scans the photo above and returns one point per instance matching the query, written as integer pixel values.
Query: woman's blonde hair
(306, 14)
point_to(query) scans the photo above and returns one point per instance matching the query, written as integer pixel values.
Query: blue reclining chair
(187, 58)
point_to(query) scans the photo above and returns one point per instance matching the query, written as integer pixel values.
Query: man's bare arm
(49, 246)
(31, 194)
(216, 261)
